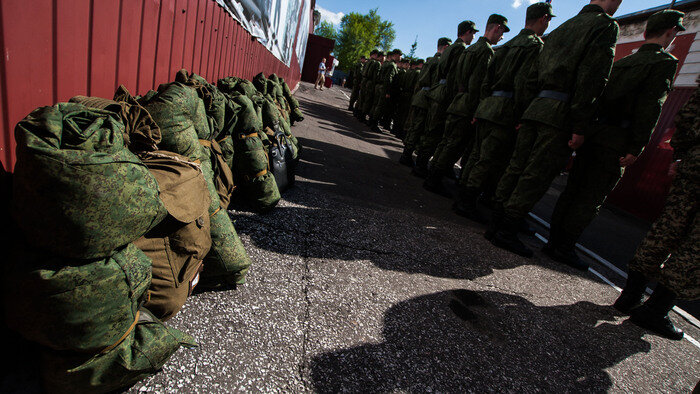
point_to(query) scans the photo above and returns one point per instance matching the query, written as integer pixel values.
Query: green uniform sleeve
(593, 73)
(648, 104)
(389, 76)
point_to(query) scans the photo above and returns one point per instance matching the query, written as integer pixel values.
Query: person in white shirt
(321, 79)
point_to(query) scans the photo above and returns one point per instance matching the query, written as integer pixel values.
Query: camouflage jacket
(396, 89)
(508, 73)
(686, 139)
(387, 74)
(410, 83)
(447, 65)
(371, 71)
(575, 62)
(356, 74)
(631, 104)
(471, 71)
(428, 78)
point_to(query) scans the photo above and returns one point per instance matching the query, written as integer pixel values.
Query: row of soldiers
(514, 114)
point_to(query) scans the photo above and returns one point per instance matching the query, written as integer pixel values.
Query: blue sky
(432, 19)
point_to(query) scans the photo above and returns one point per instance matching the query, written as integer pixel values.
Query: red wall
(316, 49)
(55, 49)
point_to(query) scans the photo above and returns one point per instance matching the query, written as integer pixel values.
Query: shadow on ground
(460, 340)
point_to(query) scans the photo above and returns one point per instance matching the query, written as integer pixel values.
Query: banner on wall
(273, 22)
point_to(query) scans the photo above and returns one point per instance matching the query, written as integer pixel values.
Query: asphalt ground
(364, 282)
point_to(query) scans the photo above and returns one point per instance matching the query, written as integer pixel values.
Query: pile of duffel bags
(121, 210)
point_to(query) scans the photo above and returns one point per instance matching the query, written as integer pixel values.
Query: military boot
(433, 183)
(653, 314)
(421, 168)
(465, 205)
(631, 296)
(407, 157)
(506, 237)
(374, 125)
(566, 255)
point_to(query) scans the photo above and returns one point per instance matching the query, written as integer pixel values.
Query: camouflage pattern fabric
(369, 76)
(382, 104)
(140, 354)
(489, 160)
(78, 191)
(178, 111)
(589, 41)
(525, 139)
(74, 305)
(677, 231)
(458, 138)
(637, 89)
(420, 104)
(297, 115)
(356, 82)
(179, 243)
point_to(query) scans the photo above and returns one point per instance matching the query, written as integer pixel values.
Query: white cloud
(518, 3)
(329, 16)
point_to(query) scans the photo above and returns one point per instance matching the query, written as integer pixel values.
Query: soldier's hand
(576, 141)
(473, 120)
(628, 160)
(388, 96)
(517, 128)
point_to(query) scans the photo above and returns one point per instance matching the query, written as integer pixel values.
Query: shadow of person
(461, 340)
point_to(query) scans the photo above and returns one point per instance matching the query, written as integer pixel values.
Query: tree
(326, 29)
(412, 52)
(359, 34)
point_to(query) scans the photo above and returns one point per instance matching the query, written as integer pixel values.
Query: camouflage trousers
(381, 103)
(458, 137)
(434, 128)
(675, 232)
(367, 98)
(355, 95)
(401, 111)
(549, 154)
(415, 128)
(493, 147)
(594, 174)
(525, 138)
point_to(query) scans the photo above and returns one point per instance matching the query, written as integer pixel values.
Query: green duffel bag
(297, 115)
(142, 352)
(70, 304)
(178, 111)
(178, 245)
(78, 191)
(251, 165)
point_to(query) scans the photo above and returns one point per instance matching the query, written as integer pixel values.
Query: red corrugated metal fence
(53, 50)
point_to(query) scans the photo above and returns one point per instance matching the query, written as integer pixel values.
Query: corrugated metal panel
(53, 50)
(643, 189)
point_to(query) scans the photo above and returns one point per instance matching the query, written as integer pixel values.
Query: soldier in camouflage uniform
(569, 77)
(420, 103)
(408, 89)
(396, 92)
(628, 112)
(369, 73)
(382, 91)
(669, 253)
(356, 82)
(504, 101)
(440, 96)
(459, 130)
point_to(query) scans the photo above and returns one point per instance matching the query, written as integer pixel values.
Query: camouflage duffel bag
(142, 352)
(77, 305)
(251, 166)
(77, 190)
(178, 245)
(174, 109)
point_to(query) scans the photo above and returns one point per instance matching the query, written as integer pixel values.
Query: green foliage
(359, 34)
(412, 52)
(327, 30)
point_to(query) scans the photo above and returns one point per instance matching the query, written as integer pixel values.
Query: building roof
(681, 5)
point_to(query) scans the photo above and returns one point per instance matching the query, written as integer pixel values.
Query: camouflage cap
(499, 20)
(665, 19)
(444, 41)
(538, 10)
(396, 52)
(381, 53)
(465, 26)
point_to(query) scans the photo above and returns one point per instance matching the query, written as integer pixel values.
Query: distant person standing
(321, 79)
